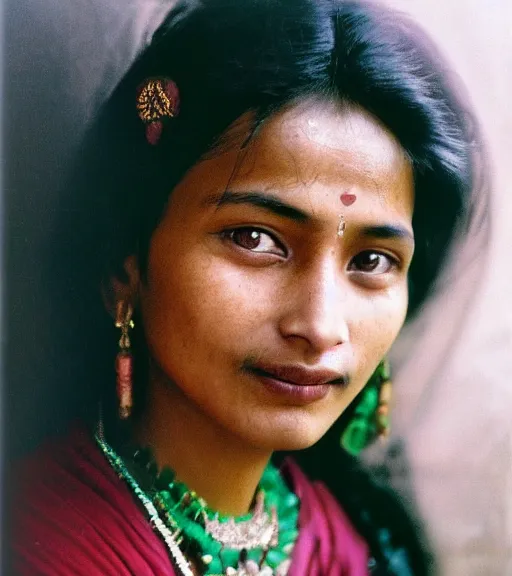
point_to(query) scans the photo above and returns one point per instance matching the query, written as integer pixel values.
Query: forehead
(309, 153)
(328, 144)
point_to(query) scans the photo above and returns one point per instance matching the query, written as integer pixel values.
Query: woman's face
(254, 305)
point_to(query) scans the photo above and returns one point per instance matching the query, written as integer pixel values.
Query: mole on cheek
(347, 199)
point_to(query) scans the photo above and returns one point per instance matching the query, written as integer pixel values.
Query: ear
(114, 290)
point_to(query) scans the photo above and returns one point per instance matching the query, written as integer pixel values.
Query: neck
(219, 467)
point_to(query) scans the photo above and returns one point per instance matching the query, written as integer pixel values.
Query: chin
(289, 436)
(295, 444)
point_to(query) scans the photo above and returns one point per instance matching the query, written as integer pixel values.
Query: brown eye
(370, 262)
(247, 238)
(256, 240)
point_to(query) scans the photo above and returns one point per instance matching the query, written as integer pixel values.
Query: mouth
(300, 384)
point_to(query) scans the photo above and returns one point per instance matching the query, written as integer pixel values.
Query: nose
(316, 311)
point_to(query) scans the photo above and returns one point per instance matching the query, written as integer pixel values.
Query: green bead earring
(371, 415)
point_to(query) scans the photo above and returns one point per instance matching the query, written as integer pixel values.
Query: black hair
(229, 57)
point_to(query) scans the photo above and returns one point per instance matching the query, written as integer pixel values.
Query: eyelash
(394, 263)
(229, 235)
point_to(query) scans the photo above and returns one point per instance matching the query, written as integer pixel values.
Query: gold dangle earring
(124, 360)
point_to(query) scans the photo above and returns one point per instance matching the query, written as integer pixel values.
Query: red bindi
(347, 199)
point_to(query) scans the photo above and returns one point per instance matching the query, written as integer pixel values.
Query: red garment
(72, 516)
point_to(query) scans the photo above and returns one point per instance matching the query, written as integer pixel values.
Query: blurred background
(453, 368)
(453, 384)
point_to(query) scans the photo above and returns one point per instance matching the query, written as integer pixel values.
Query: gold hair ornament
(157, 100)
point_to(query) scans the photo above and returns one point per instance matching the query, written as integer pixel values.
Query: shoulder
(389, 527)
(71, 515)
(328, 542)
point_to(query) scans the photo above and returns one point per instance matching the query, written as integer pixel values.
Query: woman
(267, 195)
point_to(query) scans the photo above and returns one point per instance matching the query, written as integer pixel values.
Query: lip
(298, 383)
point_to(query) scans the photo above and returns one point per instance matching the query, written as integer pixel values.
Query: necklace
(167, 535)
(255, 544)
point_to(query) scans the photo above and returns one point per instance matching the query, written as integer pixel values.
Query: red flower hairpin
(157, 99)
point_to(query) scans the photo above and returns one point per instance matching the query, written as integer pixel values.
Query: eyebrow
(388, 232)
(261, 200)
(277, 206)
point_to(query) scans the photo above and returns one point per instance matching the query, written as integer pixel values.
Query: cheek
(378, 327)
(200, 306)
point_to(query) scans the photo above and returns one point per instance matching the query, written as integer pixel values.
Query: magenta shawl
(72, 516)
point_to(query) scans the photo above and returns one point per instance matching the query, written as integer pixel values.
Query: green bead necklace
(258, 543)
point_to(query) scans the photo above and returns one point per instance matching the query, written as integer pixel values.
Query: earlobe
(115, 289)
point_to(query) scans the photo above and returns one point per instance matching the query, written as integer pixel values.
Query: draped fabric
(452, 365)
(73, 516)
